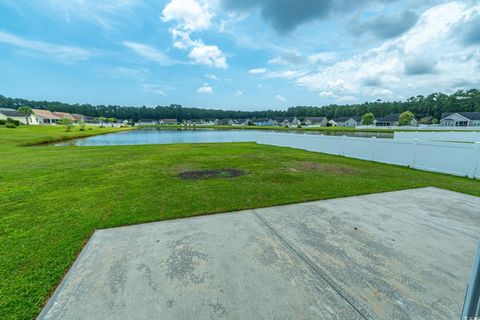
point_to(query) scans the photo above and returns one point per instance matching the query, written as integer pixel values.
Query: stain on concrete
(147, 275)
(185, 262)
(117, 275)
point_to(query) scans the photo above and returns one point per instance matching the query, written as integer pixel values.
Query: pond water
(164, 136)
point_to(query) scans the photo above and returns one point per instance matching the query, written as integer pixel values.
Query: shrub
(3, 122)
(15, 122)
(67, 123)
(11, 125)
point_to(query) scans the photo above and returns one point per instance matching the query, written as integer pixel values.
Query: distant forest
(430, 106)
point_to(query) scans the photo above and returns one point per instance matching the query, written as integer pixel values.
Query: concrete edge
(66, 276)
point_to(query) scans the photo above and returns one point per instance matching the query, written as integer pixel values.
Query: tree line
(427, 107)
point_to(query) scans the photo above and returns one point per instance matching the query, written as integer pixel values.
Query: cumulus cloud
(391, 71)
(148, 52)
(238, 93)
(211, 56)
(280, 98)
(387, 26)
(188, 14)
(205, 89)
(62, 52)
(257, 71)
(191, 16)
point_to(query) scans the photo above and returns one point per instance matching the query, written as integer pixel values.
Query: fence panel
(450, 136)
(461, 159)
(399, 152)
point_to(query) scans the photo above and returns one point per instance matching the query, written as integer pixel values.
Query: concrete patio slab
(396, 255)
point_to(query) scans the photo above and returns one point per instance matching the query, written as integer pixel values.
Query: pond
(165, 136)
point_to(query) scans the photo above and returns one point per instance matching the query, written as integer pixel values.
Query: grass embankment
(33, 135)
(53, 198)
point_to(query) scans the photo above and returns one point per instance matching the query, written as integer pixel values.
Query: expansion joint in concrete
(312, 266)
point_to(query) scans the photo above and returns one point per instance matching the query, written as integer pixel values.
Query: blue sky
(249, 55)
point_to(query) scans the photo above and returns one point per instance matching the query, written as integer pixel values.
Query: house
(7, 113)
(89, 119)
(230, 122)
(295, 122)
(460, 119)
(316, 121)
(147, 122)
(64, 115)
(392, 120)
(284, 122)
(263, 122)
(44, 117)
(222, 122)
(77, 118)
(347, 121)
(167, 121)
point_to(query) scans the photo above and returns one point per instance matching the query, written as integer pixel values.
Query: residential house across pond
(460, 119)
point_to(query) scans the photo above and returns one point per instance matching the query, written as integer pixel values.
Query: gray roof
(315, 119)
(390, 118)
(468, 115)
(13, 113)
(343, 119)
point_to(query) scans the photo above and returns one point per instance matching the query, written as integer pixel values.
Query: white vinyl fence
(462, 159)
(451, 136)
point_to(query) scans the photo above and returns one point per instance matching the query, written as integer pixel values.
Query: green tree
(405, 118)
(112, 120)
(102, 121)
(68, 123)
(368, 119)
(27, 112)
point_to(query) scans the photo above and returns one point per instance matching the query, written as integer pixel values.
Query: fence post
(476, 159)
(471, 304)
(343, 144)
(373, 139)
(415, 143)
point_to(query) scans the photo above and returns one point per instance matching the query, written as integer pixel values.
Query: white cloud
(287, 74)
(211, 77)
(257, 71)
(148, 52)
(280, 98)
(205, 89)
(239, 93)
(211, 56)
(381, 72)
(189, 14)
(62, 52)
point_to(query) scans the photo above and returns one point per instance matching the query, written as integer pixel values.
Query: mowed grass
(32, 135)
(53, 198)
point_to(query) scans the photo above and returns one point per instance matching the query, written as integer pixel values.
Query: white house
(44, 117)
(295, 122)
(13, 114)
(316, 121)
(460, 119)
(347, 121)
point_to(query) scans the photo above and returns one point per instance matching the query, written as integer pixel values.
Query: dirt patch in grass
(323, 167)
(211, 173)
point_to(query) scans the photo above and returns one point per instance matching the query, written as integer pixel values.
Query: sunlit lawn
(53, 198)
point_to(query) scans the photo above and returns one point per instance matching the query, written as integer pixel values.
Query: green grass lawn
(53, 198)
